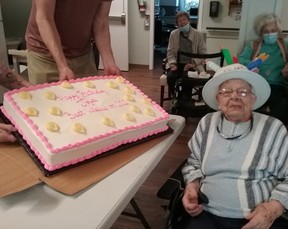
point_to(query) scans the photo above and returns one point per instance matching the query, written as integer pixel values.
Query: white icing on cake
(68, 122)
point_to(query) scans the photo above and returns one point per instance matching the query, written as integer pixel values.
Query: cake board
(19, 172)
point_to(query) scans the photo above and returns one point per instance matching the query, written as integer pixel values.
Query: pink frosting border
(80, 159)
(165, 116)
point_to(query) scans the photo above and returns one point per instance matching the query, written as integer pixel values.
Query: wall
(227, 16)
(284, 17)
(15, 17)
(221, 31)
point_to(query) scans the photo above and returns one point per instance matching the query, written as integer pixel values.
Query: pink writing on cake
(74, 115)
(97, 109)
(121, 103)
(88, 102)
(79, 96)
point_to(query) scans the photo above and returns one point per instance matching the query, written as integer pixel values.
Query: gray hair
(180, 14)
(263, 19)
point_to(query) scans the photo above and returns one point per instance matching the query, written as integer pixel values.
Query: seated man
(238, 158)
(185, 39)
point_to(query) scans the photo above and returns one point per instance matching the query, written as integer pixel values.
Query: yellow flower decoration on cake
(129, 97)
(50, 95)
(55, 111)
(89, 84)
(52, 126)
(113, 85)
(31, 111)
(129, 117)
(120, 79)
(135, 109)
(67, 85)
(79, 128)
(149, 111)
(147, 101)
(129, 90)
(108, 121)
(25, 95)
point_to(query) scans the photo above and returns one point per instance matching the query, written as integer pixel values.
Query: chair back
(218, 57)
(184, 103)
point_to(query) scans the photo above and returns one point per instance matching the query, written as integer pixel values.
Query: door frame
(151, 37)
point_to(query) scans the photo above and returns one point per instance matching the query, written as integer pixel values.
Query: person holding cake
(238, 159)
(11, 80)
(58, 39)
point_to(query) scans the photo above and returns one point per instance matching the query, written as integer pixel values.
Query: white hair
(263, 19)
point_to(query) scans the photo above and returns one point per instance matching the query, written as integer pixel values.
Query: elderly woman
(185, 39)
(275, 68)
(10, 80)
(239, 158)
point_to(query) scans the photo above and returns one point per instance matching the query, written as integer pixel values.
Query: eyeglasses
(227, 92)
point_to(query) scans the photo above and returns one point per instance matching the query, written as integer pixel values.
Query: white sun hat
(260, 86)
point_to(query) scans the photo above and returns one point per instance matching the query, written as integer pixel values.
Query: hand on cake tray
(6, 133)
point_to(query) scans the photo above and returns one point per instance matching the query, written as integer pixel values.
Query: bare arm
(46, 24)
(102, 39)
(11, 79)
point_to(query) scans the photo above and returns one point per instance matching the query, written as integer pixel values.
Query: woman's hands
(187, 67)
(264, 215)
(285, 71)
(173, 67)
(190, 199)
(6, 133)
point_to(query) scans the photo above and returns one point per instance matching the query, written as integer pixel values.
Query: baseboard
(139, 66)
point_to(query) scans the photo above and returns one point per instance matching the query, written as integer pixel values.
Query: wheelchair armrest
(163, 79)
(285, 214)
(165, 65)
(168, 190)
(174, 183)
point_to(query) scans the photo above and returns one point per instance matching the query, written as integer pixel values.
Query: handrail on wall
(121, 17)
(222, 29)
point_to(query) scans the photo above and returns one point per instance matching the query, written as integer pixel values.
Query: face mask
(270, 38)
(185, 28)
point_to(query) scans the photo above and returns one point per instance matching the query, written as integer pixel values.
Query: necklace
(244, 134)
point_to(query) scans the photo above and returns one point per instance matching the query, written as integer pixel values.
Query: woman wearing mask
(186, 39)
(275, 68)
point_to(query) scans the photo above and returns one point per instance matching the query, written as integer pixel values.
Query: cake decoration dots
(53, 127)
(31, 111)
(25, 95)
